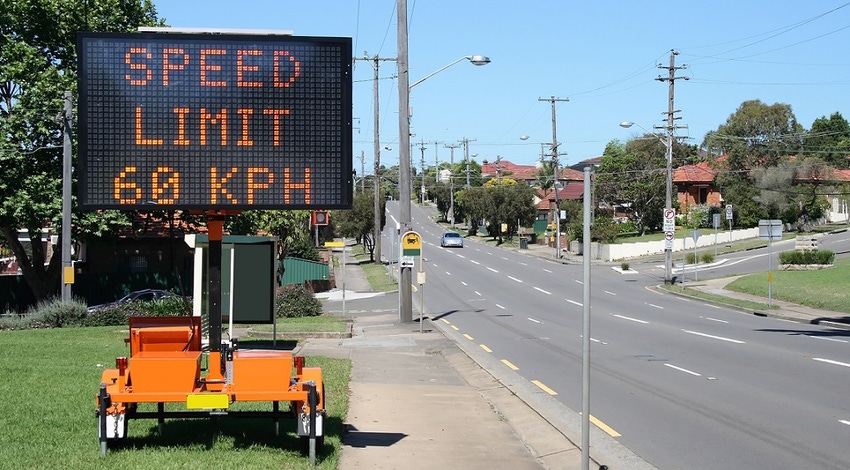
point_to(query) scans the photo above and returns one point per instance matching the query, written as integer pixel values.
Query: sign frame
(214, 122)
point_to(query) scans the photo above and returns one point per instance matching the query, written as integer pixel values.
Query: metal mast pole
(67, 264)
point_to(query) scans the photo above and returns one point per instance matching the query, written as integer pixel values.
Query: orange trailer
(165, 366)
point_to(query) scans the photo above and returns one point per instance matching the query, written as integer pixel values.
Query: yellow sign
(411, 244)
(334, 244)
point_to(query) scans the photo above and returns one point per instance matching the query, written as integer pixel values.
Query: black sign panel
(198, 121)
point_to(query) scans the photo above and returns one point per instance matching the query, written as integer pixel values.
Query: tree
(439, 193)
(635, 181)
(755, 135)
(829, 139)
(509, 204)
(359, 222)
(37, 64)
(545, 175)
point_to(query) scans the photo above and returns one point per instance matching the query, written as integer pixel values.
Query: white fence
(607, 252)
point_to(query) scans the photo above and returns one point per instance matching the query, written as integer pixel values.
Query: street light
(404, 89)
(475, 59)
(668, 202)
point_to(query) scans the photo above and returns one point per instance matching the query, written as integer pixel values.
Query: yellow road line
(445, 321)
(508, 363)
(484, 347)
(608, 429)
(544, 388)
(454, 327)
(468, 337)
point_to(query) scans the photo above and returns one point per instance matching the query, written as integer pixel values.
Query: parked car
(144, 295)
(451, 239)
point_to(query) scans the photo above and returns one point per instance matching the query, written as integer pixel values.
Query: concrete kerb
(550, 449)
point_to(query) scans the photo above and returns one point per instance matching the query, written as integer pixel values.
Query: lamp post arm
(426, 77)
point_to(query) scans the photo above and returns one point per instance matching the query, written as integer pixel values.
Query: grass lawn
(323, 323)
(825, 288)
(376, 273)
(47, 420)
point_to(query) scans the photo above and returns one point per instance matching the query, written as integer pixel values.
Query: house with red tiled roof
(695, 186)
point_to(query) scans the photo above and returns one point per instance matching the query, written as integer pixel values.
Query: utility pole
(452, 183)
(375, 61)
(466, 142)
(499, 169)
(555, 172)
(422, 165)
(362, 173)
(436, 161)
(670, 128)
(406, 278)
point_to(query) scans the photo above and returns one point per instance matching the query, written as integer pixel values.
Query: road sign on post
(411, 247)
(728, 211)
(669, 228)
(770, 230)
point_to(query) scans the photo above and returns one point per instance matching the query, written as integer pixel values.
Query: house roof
(524, 172)
(699, 173)
(572, 190)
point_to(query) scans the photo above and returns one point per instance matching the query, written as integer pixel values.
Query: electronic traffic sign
(202, 121)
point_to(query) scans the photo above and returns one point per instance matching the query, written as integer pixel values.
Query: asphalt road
(681, 383)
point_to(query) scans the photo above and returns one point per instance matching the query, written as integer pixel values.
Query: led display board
(203, 121)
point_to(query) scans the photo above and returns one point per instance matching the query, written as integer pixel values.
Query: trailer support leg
(276, 420)
(103, 399)
(160, 420)
(313, 403)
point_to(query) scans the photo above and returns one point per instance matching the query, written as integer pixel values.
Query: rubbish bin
(523, 243)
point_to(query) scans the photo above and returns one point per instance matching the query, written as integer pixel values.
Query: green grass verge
(323, 323)
(376, 273)
(825, 289)
(744, 304)
(47, 420)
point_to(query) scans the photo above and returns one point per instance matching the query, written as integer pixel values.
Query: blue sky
(601, 55)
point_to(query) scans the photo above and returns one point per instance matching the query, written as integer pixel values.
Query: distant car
(144, 295)
(451, 239)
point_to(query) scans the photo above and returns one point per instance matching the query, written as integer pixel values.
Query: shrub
(117, 315)
(51, 313)
(807, 257)
(707, 257)
(690, 258)
(624, 266)
(295, 301)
